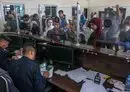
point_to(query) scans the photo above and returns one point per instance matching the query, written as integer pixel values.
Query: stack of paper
(123, 54)
(81, 74)
(78, 75)
(90, 86)
(92, 74)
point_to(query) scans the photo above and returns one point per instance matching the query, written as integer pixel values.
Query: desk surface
(65, 83)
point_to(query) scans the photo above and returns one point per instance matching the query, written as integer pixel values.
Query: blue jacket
(82, 19)
(26, 75)
(63, 22)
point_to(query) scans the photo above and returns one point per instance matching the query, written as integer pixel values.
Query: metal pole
(17, 20)
(78, 21)
(2, 17)
(40, 17)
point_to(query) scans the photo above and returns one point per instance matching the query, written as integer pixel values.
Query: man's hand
(46, 74)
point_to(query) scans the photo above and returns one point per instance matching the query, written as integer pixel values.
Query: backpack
(9, 82)
(107, 23)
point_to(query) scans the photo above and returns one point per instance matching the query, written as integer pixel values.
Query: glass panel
(19, 8)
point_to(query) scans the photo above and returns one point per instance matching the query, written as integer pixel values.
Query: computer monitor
(16, 42)
(28, 40)
(61, 54)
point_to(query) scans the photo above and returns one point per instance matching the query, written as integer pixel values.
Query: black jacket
(26, 75)
(2, 85)
(3, 58)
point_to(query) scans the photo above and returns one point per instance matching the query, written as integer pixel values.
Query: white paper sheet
(60, 72)
(81, 74)
(78, 74)
(90, 86)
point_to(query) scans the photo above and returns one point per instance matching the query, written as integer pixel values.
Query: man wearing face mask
(4, 42)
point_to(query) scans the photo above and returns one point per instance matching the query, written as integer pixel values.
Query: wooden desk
(65, 83)
(111, 65)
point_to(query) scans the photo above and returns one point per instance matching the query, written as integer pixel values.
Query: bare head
(29, 51)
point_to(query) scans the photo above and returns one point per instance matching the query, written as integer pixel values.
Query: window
(74, 11)
(51, 11)
(19, 8)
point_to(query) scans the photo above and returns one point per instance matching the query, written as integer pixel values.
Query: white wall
(108, 2)
(32, 5)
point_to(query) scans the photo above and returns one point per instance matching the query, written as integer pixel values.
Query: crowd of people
(57, 28)
(23, 69)
(112, 28)
(21, 73)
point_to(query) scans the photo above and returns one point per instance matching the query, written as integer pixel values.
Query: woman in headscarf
(96, 25)
(49, 26)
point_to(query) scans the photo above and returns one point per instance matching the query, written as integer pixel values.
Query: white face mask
(50, 23)
(94, 16)
(127, 28)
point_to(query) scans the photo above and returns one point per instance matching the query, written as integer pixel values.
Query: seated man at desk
(26, 73)
(4, 42)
